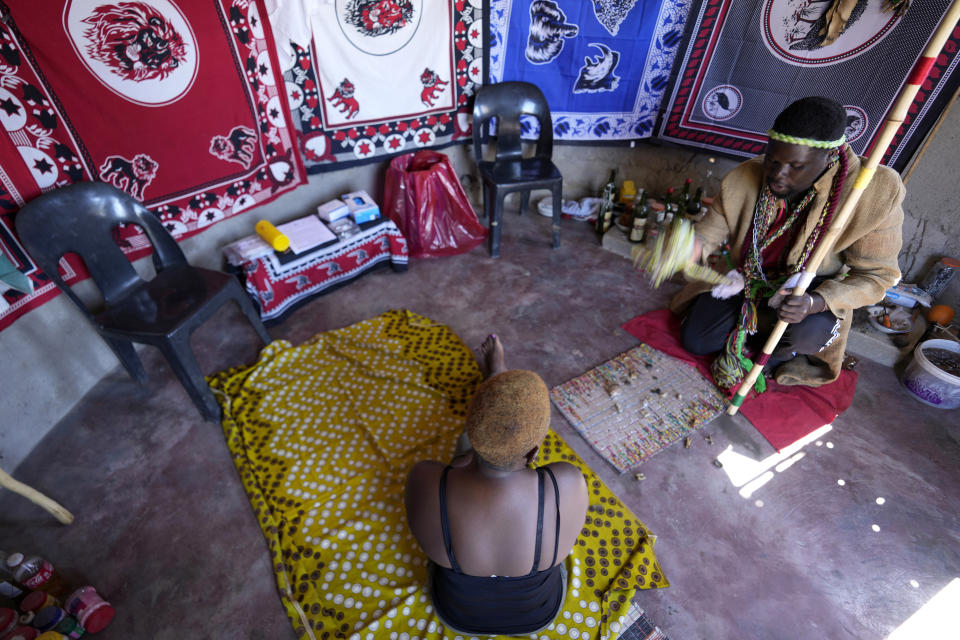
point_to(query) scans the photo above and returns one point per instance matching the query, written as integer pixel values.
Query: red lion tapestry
(181, 105)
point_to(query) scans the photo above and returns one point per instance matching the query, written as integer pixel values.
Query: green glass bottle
(695, 205)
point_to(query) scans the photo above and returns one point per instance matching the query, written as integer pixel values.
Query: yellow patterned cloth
(323, 436)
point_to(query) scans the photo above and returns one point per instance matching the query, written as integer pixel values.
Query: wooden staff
(890, 126)
(35, 497)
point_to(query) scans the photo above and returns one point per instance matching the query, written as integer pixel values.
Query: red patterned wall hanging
(180, 104)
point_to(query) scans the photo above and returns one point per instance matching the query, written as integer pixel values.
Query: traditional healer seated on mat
(774, 210)
(496, 531)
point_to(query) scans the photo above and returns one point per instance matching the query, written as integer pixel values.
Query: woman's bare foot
(491, 356)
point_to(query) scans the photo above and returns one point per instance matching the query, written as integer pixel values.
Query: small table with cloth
(859, 267)
(279, 282)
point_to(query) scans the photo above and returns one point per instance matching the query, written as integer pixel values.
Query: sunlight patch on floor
(749, 475)
(938, 619)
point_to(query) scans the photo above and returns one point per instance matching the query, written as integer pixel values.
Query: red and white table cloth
(278, 283)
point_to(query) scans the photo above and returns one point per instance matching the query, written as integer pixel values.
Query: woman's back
(492, 518)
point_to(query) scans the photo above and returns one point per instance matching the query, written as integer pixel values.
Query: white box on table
(361, 206)
(333, 210)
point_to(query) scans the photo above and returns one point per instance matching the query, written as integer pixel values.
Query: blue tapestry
(603, 65)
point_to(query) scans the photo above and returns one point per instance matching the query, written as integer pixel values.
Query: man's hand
(793, 309)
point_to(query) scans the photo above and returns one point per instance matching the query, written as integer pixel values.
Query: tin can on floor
(91, 611)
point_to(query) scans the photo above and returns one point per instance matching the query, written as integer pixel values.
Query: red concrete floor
(164, 530)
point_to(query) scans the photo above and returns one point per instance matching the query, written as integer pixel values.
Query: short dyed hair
(813, 118)
(508, 416)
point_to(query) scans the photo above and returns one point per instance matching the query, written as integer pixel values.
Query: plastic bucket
(929, 383)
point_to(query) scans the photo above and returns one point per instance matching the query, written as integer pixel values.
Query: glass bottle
(670, 206)
(695, 206)
(639, 219)
(607, 200)
(655, 222)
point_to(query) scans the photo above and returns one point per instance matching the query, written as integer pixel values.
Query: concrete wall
(931, 226)
(50, 358)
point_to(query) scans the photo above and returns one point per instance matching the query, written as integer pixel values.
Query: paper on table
(306, 233)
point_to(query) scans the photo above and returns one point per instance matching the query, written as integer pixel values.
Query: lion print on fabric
(432, 86)
(134, 40)
(343, 99)
(378, 17)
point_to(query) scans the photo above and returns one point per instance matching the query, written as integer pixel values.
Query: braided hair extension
(836, 188)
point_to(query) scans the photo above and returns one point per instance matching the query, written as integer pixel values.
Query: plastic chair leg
(488, 201)
(128, 357)
(524, 201)
(495, 223)
(557, 209)
(178, 353)
(246, 305)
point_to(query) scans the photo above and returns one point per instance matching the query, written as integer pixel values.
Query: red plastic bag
(423, 196)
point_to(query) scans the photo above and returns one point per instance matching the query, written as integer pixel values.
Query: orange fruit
(941, 314)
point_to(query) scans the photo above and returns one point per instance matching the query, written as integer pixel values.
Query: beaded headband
(807, 142)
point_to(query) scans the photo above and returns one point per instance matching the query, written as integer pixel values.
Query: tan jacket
(863, 257)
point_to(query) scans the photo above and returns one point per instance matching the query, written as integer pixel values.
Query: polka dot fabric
(323, 436)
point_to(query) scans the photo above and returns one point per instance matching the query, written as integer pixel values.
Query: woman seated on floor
(496, 531)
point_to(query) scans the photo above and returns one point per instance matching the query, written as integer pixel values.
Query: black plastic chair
(509, 171)
(164, 311)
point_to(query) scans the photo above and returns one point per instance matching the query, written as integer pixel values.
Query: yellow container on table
(273, 236)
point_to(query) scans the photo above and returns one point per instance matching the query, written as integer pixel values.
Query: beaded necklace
(765, 213)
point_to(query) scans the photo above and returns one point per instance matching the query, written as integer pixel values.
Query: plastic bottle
(8, 620)
(36, 600)
(273, 236)
(22, 633)
(34, 573)
(8, 585)
(70, 627)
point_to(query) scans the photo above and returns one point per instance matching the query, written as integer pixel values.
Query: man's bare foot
(491, 357)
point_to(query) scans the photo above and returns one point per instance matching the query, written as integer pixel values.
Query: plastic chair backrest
(82, 218)
(507, 101)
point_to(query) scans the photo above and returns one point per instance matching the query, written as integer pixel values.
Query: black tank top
(508, 605)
